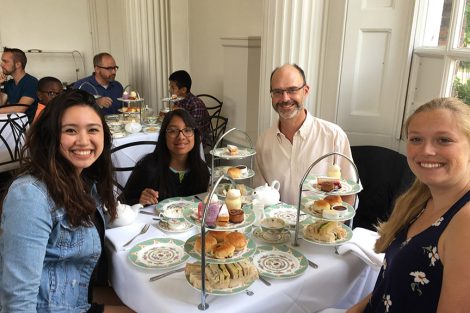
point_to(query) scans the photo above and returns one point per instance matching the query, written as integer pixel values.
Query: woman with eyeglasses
(174, 169)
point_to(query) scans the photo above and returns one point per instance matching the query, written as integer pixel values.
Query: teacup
(273, 224)
(173, 217)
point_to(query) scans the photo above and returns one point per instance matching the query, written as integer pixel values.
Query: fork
(142, 231)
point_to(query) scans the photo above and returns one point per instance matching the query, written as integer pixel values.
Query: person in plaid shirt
(180, 85)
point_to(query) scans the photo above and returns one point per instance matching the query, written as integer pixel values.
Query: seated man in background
(180, 85)
(104, 83)
(48, 88)
(286, 150)
(22, 88)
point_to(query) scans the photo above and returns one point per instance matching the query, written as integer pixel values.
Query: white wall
(209, 21)
(48, 25)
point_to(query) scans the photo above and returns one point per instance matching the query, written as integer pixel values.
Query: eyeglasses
(109, 68)
(175, 132)
(291, 91)
(51, 93)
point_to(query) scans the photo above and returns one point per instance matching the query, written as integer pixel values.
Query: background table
(12, 129)
(340, 281)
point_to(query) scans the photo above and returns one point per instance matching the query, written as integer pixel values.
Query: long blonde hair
(409, 205)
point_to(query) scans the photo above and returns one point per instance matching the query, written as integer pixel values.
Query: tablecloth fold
(362, 245)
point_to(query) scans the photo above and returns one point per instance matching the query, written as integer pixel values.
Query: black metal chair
(218, 126)
(384, 175)
(13, 127)
(130, 168)
(214, 110)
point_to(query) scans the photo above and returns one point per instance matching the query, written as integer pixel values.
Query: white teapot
(126, 214)
(268, 195)
(133, 127)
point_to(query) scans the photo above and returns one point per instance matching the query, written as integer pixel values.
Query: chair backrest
(384, 175)
(218, 125)
(213, 105)
(124, 163)
(13, 127)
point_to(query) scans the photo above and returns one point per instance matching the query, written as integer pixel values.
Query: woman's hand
(360, 306)
(148, 197)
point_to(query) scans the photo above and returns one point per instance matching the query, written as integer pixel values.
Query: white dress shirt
(279, 159)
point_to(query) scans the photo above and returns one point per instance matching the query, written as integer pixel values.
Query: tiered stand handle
(297, 225)
(203, 305)
(220, 140)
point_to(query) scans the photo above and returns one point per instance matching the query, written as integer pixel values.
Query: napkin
(120, 235)
(362, 245)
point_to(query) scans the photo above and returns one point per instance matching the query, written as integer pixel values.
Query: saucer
(164, 226)
(283, 236)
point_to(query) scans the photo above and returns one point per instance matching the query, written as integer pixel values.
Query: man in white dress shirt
(288, 148)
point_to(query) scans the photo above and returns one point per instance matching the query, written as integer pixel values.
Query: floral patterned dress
(411, 277)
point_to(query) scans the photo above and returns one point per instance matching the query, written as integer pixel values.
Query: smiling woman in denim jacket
(52, 220)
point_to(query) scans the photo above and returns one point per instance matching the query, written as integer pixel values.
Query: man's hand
(104, 102)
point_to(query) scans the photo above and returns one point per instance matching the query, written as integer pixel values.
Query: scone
(218, 235)
(234, 172)
(223, 250)
(237, 239)
(210, 243)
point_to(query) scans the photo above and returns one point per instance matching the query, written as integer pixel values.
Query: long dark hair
(41, 157)
(199, 173)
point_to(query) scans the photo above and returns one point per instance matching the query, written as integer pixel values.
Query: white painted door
(375, 70)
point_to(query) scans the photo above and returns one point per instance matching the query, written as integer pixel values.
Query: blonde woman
(426, 239)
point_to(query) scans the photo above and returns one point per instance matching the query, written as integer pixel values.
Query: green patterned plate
(279, 262)
(306, 202)
(348, 186)
(249, 250)
(337, 242)
(158, 253)
(177, 202)
(224, 154)
(225, 291)
(286, 212)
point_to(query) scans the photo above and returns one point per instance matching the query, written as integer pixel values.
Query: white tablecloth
(340, 281)
(11, 125)
(129, 156)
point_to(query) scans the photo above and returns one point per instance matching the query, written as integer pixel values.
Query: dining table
(339, 281)
(12, 130)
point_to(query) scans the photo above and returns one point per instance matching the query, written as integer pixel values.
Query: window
(443, 44)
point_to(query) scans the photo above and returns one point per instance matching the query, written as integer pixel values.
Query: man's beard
(288, 115)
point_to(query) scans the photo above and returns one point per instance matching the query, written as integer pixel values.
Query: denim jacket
(45, 263)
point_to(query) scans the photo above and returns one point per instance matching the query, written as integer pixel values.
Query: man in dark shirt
(21, 88)
(102, 83)
(180, 86)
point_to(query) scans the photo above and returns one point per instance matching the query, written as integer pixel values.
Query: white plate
(130, 100)
(158, 253)
(191, 216)
(221, 170)
(172, 99)
(242, 153)
(151, 129)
